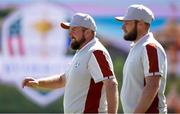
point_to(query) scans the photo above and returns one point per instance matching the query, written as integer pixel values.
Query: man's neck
(87, 41)
(139, 36)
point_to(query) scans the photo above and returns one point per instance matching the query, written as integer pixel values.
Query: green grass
(11, 100)
(118, 63)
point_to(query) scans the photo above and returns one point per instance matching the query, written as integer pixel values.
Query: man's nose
(71, 33)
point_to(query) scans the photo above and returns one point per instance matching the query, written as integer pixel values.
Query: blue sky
(101, 7)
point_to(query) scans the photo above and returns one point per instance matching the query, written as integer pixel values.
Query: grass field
(11, 100)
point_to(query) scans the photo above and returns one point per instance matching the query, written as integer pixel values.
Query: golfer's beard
(131, 36)
(75, 45)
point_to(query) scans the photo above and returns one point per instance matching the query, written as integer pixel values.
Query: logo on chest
(77, 64)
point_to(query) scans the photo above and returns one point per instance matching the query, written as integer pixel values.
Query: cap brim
(65, 25)
(119, 18)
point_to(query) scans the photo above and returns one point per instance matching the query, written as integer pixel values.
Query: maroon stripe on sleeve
(153, 58)
(103, 63)
(93, 97)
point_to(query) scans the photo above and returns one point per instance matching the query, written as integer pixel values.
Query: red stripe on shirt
(103, 63)
(93, 97)
(154, 107)
(153, 58)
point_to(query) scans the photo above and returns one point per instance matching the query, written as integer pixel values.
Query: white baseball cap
(80, 19)
(138, 12)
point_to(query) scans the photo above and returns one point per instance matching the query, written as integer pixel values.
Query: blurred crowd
(169, 37)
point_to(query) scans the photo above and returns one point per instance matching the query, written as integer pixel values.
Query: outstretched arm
(52, 82)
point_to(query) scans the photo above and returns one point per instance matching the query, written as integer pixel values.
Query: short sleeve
(100, 66)
(153, 60)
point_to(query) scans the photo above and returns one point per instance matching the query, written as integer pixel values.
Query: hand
(30, 82)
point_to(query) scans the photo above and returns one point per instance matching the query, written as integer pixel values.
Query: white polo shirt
(84, 91)
(146, 58)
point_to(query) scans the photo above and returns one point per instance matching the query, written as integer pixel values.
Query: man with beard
(90, 83)
(145, 69)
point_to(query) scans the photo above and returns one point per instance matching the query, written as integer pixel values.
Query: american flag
(15, 40)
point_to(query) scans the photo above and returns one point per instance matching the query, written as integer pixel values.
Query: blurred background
(33, 44)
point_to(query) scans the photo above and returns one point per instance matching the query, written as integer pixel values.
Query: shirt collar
(89, 43)
(142, 39)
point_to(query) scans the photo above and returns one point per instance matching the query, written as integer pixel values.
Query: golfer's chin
(125, 37)
(125, 34)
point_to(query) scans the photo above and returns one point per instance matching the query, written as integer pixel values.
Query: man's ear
(141, 22)
(88, 32)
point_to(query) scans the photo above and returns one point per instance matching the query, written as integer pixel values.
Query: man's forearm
(148, 94)
(53, 82)
(112, 96)
(146, 99)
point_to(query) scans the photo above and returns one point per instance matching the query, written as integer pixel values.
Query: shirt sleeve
(153, 60)
(100, 66)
